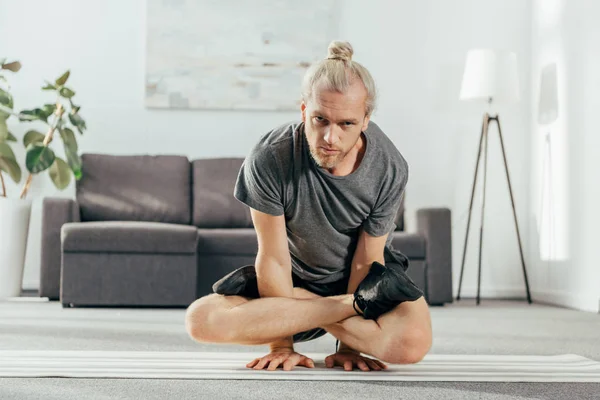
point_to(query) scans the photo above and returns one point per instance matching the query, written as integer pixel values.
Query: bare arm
(273, 263)
(368, 250)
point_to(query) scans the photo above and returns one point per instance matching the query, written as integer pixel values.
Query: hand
(286, 356)
(349, 358)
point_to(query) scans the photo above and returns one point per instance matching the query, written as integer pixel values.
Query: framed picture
(234, 54)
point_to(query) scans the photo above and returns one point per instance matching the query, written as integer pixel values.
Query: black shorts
(323, 289)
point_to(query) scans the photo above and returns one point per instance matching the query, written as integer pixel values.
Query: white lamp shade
(489, 74)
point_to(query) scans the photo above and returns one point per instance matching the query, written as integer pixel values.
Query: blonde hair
(337, 72)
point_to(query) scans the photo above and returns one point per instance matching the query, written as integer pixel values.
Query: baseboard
(581, 301)
(492, 293)
(31, 286)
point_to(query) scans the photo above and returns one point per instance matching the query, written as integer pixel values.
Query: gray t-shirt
(323, 212)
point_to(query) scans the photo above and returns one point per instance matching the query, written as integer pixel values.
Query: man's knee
(409, 347)
(203, 315)
(196, 317)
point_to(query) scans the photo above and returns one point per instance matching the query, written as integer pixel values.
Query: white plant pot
(14, 229)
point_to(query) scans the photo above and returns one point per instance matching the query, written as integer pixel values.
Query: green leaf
(11, 167)
(49, 86)
(33, 115)
(68, 137)
(48, 110)
(63, 78)
(6, 99)
(5, 135)
(60, 173)
(3, 130)
(38, 158)
(74, 107)
(33, 137)
(8, 162)
(70, 145)
(66, 92)
(6, 112)
(6, 151)
(74, 162)
(78, 122)
(14, 66)
(2, 61)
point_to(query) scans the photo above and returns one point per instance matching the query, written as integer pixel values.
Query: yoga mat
(229, 365)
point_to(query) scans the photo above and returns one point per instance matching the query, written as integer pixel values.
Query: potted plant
(60, 119)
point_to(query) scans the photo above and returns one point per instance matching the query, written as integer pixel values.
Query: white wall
(421, 58)
(414, 49)
(564, 242)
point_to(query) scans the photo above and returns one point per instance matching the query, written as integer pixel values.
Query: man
(323, 196)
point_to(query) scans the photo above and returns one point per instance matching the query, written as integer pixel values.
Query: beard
(326, 160)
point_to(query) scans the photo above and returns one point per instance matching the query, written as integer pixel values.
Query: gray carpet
(495, 327)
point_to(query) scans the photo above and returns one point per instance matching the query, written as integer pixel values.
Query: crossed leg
(401, 336)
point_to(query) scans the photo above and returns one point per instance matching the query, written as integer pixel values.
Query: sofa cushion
(412, 245)
(214, 204)
(236, 241)
(128, 237)
(135, 188)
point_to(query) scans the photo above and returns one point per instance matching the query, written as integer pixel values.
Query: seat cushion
(240, 241)
(412, 245)
(214, 204)
(135, 188)
(128, 237)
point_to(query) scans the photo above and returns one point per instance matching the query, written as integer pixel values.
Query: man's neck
(352, 160)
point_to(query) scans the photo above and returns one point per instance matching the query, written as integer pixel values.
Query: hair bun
(339, 50)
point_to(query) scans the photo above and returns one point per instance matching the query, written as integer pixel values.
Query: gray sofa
(159, 230)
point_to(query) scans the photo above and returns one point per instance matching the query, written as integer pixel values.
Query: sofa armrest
(55, 212)
(435, 225)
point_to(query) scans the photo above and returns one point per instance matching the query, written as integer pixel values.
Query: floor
(493, 327)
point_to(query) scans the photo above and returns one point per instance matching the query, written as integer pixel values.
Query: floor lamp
(488, 76)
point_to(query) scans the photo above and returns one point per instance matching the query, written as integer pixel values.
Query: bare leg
(234, 319)
(401, 336)
(351, 331)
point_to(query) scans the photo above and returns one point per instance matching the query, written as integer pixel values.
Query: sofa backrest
(154, 188)
(214, 205)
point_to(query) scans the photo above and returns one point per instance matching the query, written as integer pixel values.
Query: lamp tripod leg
(513, 209)
(486, 125)
(462, 269)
